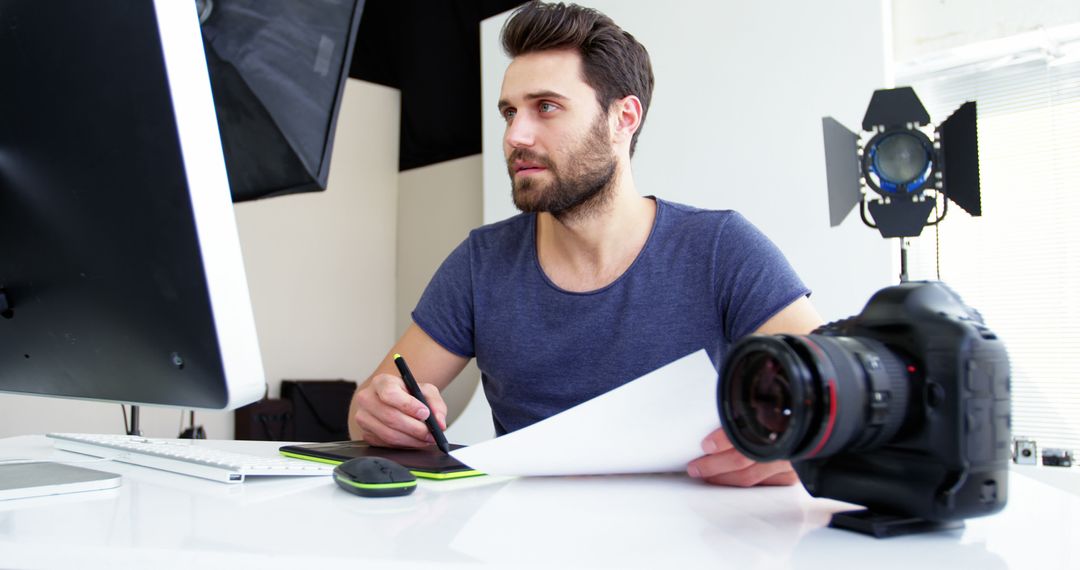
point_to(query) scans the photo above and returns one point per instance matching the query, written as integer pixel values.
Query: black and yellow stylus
(414, 389)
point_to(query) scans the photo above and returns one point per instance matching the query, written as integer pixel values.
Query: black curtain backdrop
(430, 50)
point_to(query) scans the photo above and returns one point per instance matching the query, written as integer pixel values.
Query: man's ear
(626, 114)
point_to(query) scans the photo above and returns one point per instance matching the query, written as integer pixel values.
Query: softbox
(278, 71)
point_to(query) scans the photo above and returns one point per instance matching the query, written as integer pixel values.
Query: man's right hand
(383, 412)
(388, 416)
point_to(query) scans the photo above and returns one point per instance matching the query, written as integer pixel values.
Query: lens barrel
(803, 397)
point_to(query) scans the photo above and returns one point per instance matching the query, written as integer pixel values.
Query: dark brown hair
(614, 64)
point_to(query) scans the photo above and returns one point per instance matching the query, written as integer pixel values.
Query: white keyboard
(182, 456)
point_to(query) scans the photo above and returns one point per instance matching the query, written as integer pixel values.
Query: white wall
(923, 27)
(321, 271)
(322, 266)
(735, 122)
(437, 206)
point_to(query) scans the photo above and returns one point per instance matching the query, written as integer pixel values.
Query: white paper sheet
(652, 424)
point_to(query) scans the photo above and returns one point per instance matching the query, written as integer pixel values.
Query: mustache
(527, 155)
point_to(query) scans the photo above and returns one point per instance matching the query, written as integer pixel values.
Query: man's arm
(382, 411)
(799, 317)
(722, 464)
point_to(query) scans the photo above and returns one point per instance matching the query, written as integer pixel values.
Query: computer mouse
(374, 477)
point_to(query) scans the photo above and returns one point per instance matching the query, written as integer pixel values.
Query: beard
(578, 189)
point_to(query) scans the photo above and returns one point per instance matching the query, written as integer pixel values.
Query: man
(593, 284)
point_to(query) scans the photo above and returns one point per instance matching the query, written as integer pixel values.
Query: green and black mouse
(374, 477)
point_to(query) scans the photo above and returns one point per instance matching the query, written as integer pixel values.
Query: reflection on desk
(164, 520)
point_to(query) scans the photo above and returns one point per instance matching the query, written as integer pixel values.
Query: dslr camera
(903, 409)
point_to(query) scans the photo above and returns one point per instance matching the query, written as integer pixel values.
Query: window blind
(1019, 263)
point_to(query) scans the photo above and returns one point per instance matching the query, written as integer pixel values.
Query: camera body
(903, 408)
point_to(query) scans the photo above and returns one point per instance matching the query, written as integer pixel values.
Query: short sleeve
(445, 311)
(755, 280)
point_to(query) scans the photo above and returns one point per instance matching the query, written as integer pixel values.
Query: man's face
(557, 144)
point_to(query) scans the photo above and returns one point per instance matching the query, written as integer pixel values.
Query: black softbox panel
(278, 71)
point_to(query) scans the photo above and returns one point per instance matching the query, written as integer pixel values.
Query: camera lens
(800, 397)
(770, 398)
(768, 379)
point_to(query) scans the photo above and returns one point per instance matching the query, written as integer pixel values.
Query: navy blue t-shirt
(704, 279)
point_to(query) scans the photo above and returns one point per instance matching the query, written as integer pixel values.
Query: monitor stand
(133, 427)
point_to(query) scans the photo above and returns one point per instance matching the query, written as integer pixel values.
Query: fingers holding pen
(389, 416)
(402, 411)
(375, 432)
(391, 392)
(435, 400)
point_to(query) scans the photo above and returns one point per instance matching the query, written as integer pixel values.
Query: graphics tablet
(426, 462)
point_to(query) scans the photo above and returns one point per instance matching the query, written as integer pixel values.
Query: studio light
(905, 167)
(905, 162)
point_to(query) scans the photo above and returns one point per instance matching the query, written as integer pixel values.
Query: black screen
(100, 263)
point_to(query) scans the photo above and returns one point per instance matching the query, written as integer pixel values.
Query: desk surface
(158, 520)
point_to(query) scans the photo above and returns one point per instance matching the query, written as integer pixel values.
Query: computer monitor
(121, 276)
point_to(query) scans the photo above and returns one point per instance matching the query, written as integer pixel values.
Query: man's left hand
(722, 464)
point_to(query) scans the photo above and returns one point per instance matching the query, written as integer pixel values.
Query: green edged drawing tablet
(426, 462)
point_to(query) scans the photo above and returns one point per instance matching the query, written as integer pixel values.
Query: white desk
(163, 520)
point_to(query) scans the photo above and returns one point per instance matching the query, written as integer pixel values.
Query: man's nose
(520, 133)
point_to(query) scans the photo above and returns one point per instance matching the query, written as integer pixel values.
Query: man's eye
(508, 114)
(547, 107)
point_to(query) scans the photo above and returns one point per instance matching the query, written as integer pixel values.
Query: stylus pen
(414, 389)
